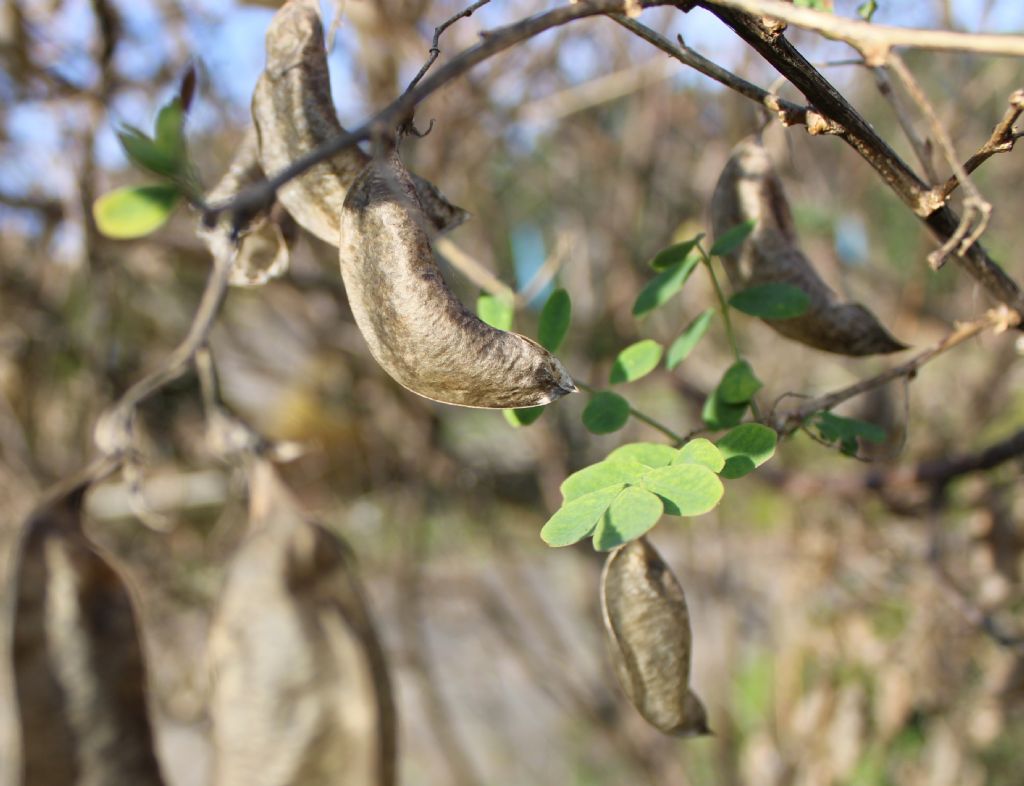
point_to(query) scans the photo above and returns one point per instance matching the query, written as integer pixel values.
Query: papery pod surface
(415, 327)
(648, 630)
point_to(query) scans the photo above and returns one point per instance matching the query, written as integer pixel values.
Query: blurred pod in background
(79, 667)
(301, 692)
(750, 190)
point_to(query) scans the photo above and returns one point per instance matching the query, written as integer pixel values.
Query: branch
(113, 430)
(975, 206)
(1002, 141)
(1000, 319)
(398, 112)
(874, 41)
(859, 134)
(789, 113)
(435, 50)
(939, 472)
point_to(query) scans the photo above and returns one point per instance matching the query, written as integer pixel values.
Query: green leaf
(675, 255)
(575, 520)
(867, 10)
(147, 154)
(599, 476)
(650, 454)
(835, 428)
(522, 417)
(134, 211)
(686, 489)
(605, 412)
(554, 320)
(701, 451)
(636, 361)
(495, 311)
(663, 286)
(738, 384)
(732, 239)
(718, 414)
(631, 514)
(772, 301)
(745, 448)
(683, 346)
(170, 129)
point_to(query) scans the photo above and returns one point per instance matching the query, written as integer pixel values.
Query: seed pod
(266, 240)
(416, 328)
(294, 113)
(748, 189)
(300, 688)
(79, 668)
(648, 629)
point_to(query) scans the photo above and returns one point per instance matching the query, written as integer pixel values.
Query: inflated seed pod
(649, 638)
(415, 327)
(79, 668)
(266, 239)
(294, 113)
(749, 189)
(300, 687)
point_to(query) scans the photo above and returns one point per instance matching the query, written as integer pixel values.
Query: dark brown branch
(939, 472)
(857, 133)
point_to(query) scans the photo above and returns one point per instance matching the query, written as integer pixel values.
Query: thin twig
(1000, 319)
(922, 147)
(113, 431)
(874, 41)
(977, 209)
(547, 271)
(789, 113)
(435, 50)
(473, 269)
(1002, 141)
(594, 92)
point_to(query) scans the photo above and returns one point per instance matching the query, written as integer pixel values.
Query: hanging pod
(300, 687)
(750, 190)
(649, 638)
(294, 114)
(417, 330)
(79, 668)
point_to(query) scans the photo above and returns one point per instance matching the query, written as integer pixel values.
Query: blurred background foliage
(841, 636)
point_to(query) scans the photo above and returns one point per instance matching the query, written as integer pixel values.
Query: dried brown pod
(294, 113)
(649, 638)
(300, 687)
(266, 239)
(416, 328)
(749, 189)
(79, 667)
